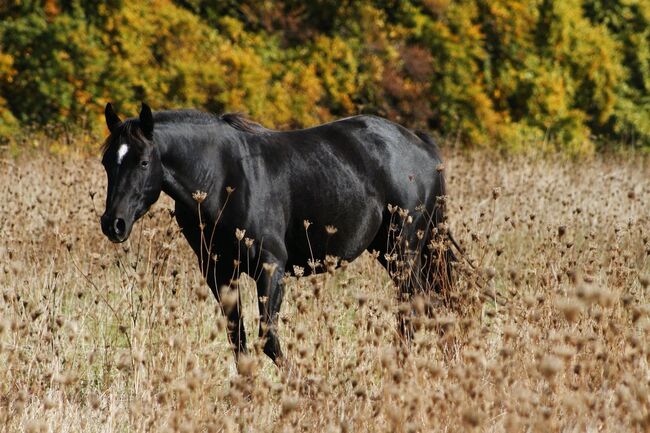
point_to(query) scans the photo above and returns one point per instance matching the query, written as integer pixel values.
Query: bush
(511, 74)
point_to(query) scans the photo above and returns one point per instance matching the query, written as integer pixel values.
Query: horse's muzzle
(115, 228)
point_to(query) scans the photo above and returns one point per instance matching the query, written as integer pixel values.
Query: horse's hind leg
(436, 266)
(418, 261)
(392, 255)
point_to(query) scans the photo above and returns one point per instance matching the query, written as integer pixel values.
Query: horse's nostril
(119, 226)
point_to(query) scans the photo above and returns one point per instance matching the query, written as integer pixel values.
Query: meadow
(549, 332)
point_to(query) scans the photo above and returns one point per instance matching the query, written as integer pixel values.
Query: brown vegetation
(102, 337)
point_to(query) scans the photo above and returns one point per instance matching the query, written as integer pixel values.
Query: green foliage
(512, 74)
(7, 121)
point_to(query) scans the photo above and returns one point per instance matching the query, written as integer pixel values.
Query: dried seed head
(229, 299)
(509, 332)
(239, 234)
(289, 404)
(36, 426)
(313, 264)
(644, 280)
(471, 417)
(549, 366)
(565, 352)
(199, 196)
(246, 365)
(202, 293)
(570, 309)
(331, 229)
(270, 268)
(48, 403)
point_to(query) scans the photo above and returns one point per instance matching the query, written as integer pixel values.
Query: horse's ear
(146, 121)
(112, 119)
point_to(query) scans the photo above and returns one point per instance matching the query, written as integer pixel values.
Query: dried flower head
(270, 268)
(199, 196)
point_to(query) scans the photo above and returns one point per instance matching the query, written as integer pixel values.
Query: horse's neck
(186, 169)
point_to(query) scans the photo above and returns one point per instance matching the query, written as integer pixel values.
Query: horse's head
(134, 171)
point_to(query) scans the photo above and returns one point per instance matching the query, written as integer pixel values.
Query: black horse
(306, 199)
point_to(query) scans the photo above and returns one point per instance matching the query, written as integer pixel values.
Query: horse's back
(400, 164)
(341, 176)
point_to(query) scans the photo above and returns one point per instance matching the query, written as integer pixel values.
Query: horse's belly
(343, 235)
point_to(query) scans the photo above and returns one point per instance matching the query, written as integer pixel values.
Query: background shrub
(511, 74)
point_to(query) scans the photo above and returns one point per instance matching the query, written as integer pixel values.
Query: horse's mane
(129, 127)
(236, 120)
(242, 123)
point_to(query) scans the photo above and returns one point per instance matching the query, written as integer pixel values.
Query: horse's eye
(144, 163)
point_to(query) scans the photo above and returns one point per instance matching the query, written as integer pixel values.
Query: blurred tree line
(506, 73)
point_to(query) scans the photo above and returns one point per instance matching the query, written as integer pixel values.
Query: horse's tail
(439, 219)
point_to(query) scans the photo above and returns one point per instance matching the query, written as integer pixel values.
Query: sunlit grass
(549, 333)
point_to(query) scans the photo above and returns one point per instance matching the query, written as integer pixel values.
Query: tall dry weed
(546, 329)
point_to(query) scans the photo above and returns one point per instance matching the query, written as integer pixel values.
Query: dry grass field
(551, 333)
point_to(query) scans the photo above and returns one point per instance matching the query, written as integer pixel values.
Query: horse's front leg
(217, 275)
(270, 290)
(227, 294)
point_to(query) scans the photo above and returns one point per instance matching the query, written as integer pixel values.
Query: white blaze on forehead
(121, 152)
